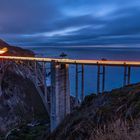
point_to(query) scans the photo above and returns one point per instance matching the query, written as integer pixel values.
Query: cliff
(112, 115)
(20, 102)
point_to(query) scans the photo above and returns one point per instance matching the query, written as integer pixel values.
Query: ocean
(114, 75)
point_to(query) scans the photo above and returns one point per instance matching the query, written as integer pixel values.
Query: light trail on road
(74, 61)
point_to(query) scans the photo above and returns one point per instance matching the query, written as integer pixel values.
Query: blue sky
(70, 22)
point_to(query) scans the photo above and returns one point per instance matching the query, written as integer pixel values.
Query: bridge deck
(75, 61)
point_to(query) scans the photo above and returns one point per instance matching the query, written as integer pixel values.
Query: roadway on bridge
(74, 61)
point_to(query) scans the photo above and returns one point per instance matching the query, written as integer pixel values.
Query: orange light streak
(3, 50)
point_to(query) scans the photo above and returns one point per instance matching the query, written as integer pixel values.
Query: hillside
(112, 115)
(15, 51)
(20, 102)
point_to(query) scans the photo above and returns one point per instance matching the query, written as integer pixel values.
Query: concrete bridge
(59, 104)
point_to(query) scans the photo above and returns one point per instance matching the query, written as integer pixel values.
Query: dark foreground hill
(111, 116)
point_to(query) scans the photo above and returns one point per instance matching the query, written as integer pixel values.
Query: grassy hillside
(110, 116)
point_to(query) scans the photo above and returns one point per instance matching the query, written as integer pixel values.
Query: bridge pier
(127, 74)
(76, 85)
(82, 83)
(100, 82)
(60, 93)
(35, 71)
(44, 81)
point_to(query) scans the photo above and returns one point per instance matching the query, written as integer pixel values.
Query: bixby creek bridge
(58, 106)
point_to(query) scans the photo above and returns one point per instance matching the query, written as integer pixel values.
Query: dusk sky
(70, 22)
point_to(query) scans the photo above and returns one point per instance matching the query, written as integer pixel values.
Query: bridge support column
(60, 93)
(100, 74)
(44, 81)
(127, 74)
(82, 83)
(35, 69)
(76, 85)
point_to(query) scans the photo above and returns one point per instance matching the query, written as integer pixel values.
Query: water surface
(114, 75)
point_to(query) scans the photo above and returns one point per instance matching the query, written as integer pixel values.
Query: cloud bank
(70, 22)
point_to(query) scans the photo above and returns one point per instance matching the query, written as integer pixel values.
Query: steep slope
(112, 115)
(20, 102)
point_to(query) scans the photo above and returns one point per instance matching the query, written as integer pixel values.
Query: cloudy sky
(70, 22)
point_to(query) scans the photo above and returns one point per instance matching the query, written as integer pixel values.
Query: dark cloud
(70, 22)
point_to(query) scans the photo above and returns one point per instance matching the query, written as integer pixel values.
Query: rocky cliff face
(19, 99)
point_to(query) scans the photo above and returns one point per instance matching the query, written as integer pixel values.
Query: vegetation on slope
(20, 102)
(112, 115)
